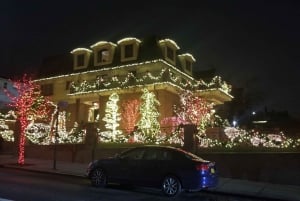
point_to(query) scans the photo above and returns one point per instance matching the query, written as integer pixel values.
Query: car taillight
(202, 167)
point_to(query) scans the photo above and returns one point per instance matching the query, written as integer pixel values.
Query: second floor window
(68, 84)
(47, 89)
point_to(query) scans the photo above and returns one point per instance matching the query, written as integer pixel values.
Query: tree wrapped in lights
(29, 105)
(112, 118)
(130, 114)
(195, 110)
(149, 124)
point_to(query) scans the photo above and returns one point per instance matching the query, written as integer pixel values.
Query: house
(5, 84)
(87, 76)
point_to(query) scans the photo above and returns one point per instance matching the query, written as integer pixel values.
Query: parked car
(169, 168)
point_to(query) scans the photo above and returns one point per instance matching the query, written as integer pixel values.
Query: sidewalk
(226, 185)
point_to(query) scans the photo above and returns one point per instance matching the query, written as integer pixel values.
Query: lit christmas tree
(112, 118)
(195, 110)
(29, 105)
(130, 114)
(148, 124)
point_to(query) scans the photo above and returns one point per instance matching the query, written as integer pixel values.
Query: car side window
(157, 154)
(136, 154)
(167, 155)
(150, 154)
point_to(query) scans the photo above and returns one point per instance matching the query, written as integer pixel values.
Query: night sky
(253, 44)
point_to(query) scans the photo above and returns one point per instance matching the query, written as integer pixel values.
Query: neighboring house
(87, 76)
(5, 84)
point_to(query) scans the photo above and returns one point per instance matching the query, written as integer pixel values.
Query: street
(21, 185)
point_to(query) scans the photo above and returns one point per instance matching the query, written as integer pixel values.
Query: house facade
(5, 85)
(87, 76)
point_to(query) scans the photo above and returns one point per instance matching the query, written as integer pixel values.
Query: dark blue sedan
(171, 169)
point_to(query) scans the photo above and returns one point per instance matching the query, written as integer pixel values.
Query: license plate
(212, 170)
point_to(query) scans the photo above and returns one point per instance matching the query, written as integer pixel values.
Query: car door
(153, 167)
(128, 165)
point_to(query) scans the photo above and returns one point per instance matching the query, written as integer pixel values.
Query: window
(103, 53)
(80, 60)
(93, 115)
(103, 56)
(187, 61)
(135, 154)
(188, 65)
(47, 89)
(81, 57)
(68, 83)
(169, 48)
(157, 154)
(170, 53)
(129, 51)
(5, 85)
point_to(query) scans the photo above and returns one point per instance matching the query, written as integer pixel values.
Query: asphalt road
(31, 186)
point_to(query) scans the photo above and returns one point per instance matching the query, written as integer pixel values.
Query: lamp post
(60, 105)
(55, 138)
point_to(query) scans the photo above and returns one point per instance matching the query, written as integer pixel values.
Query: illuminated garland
(164, 76)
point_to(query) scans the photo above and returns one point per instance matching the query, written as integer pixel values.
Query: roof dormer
(169, 48)
(129, 48)
(103, 52)
(81, 57)
(187, 61)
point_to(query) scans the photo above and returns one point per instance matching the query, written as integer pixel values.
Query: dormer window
(129, 49)
(170, 53)
(187, 61)
(103, 53)
(81, 58)
(188, 65)
(103, 56)
(169, 48)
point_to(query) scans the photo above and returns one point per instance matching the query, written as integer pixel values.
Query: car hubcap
(98, 177)
(170, 186)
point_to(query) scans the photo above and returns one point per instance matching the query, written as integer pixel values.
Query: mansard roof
(149, 49)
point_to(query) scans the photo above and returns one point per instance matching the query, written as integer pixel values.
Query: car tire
(171, 186)
(98, 178)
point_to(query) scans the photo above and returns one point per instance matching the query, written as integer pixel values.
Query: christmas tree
(112, 118)
(148, 124)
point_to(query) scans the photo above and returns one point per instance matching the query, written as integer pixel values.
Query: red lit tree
(130, 114)
(29, 104)
(194, 110)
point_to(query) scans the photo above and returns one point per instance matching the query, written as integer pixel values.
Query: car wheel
(99, 178)
(171, 186)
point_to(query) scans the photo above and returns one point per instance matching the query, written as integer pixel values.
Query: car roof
(158, 146)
